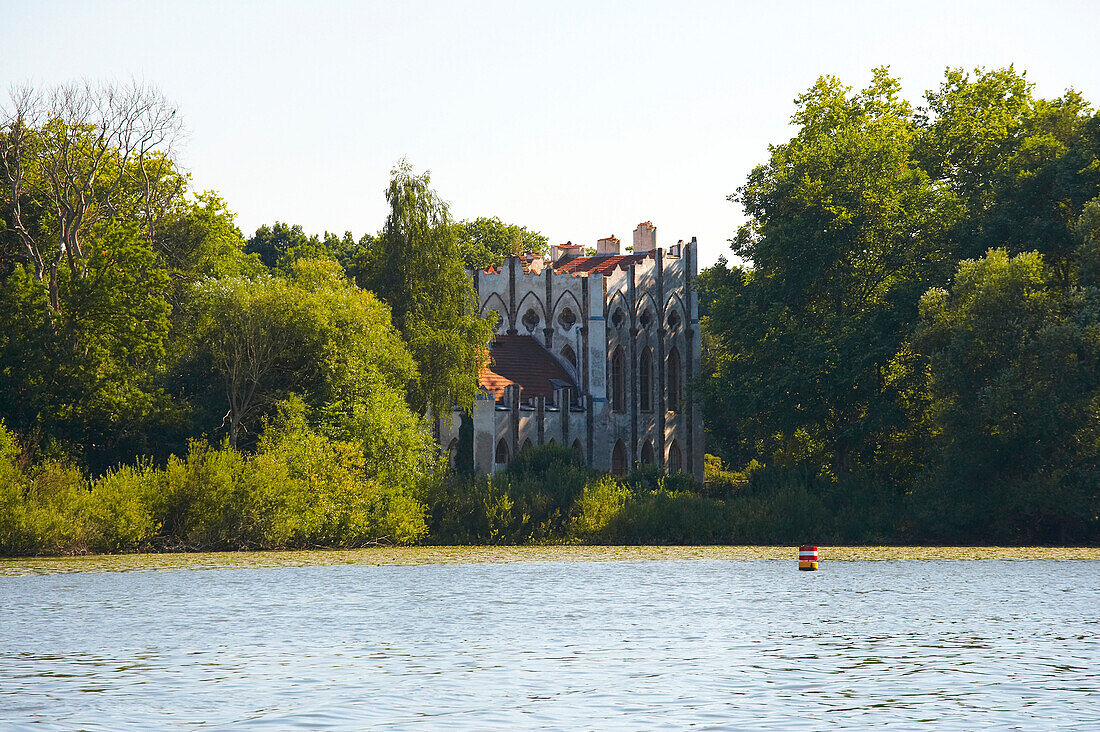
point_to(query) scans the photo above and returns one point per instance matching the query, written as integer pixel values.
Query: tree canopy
(871, 337)
(415, 266)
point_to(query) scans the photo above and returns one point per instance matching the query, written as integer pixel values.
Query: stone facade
(593, 352)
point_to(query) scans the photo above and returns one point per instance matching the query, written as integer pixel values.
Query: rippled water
(562, 644)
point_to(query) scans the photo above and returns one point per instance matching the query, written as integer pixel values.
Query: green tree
(1021, 166)
(972, 127)
(91, 156)
(311, 332)
(281, 245)
(485, 242)
(845, 230)
(415, 266)
(270, 243)
(1016, 382)
(90, 375)
(199, 239)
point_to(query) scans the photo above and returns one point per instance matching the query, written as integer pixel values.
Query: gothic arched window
(645, 380)
(675, 460)
(647, 453)
(569, 355)
(672, 376)
(618, 459)
(502, 453)
(618, 382)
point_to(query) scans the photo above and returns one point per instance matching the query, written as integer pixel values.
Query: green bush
(118, 512)
(301, 489)
(599, 504)
(534, 499)
(39, 509)
(669, 518)
(543, 484)
(467, 510)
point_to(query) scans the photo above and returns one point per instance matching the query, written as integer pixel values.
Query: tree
(845, 230)
(1016, 385)
(485, 242)
(971, 128)
(415, 266)
(310, 332)
(1022, 167)
(89, 376)
(280, 245)
(91, 153)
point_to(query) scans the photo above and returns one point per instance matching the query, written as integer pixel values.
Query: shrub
(599, 504)
(118, 511)
(463, 509)
(39, 511)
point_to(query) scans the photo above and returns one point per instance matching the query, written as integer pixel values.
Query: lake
(569, 638)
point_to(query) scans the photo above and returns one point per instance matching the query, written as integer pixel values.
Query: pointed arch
(578, 448)
(674, 316)
(675, 457)
(647, 304)
(647, 452)
(569, 356)
(674, 302)
(618, 380)
(566, 300)
(618, 459)
(501, 457)
(645, 380)
(531, 302)
(672, 379)
(496, 302)
(618, 302)
(526, 445)
(552, 442)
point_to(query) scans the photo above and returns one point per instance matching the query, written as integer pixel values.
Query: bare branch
(90, 148)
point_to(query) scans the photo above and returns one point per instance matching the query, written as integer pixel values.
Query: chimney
(562, 251)
(645, 237)
(536, 263)
(609, 245)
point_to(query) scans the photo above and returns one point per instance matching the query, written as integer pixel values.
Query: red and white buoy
(807, 558)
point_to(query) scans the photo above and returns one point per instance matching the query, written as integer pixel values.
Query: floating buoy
(807, 558)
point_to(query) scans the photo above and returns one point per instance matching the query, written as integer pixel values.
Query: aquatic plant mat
(512, 554)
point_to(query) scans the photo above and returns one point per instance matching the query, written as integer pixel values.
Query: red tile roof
(600, 264)
(519, 359)
(493, 382)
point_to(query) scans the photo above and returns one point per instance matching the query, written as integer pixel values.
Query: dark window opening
(645, 381)
(618, 382)
(618, 459)
(672, 374)
(674, 458)
(569, 355)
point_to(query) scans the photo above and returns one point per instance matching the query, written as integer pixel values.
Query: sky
(578, 120)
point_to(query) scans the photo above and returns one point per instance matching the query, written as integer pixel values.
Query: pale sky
(575, 119)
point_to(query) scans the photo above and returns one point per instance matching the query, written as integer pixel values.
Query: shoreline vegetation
(406, 556)
(906, 350)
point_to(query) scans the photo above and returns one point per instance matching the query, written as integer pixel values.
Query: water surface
(624, 643)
